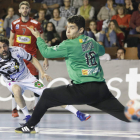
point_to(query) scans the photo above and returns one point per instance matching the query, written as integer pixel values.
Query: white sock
(71, 109)
(14, 104)
(25, 111)
(36, 100)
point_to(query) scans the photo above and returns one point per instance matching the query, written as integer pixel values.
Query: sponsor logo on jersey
(90, 71)
(23, 39)
(80, 40)
(24, 25)
(16, 66)
(17, 26)
(84, 72)
(14, 50)
(16, 75)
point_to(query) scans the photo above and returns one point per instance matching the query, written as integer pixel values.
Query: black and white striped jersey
(14, 68)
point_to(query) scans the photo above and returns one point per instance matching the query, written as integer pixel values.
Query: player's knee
(47, 93)
(16, 90)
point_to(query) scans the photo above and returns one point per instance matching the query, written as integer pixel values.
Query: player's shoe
(82, 116)
(15, 113)
(36, 128)
(26, 129)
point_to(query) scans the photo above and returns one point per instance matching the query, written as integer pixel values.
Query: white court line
(74, 132)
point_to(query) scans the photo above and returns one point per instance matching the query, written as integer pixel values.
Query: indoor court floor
(59, 126)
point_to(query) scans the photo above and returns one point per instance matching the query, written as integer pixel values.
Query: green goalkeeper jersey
(81, 55)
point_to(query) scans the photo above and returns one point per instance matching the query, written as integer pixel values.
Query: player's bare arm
(36, 63)
(11, 39)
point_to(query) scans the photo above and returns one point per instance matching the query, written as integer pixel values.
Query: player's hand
(46, 76)
(35, 32)
(45, 64)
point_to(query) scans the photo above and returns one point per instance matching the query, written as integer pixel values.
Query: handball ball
(132, 110)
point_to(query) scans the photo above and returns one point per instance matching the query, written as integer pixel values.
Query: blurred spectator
(135, 22)
(119, 1)
(47, 14)
(42, 19)
(129, 7)
(3, 13)
(106, 56)
(93, 33)
(87, 11)
(67, 10)
(60, 23)
(1, 27)
(50, 35)
(76, 3)
(120, 53)
(123, 19)
(106, 12)
(51, 4)
(8, 20)
(112, 36)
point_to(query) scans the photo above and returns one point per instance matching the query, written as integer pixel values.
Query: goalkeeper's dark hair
(78, 20)
(4, 40)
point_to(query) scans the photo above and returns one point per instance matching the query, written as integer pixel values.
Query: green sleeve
(100, 49)
(57, 51)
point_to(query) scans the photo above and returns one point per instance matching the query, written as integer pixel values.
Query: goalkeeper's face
(73, 31)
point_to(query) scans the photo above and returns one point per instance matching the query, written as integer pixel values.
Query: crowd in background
(116, 23)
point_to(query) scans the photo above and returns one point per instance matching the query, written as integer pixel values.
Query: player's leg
(108, 103)
(113, 107)
(51, 97)
(38, 87)
(77, 113)
(14, 107)
(34, 72)
(17, 91)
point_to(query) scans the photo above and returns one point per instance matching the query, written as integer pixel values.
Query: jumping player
(18, 78)
(88, 85)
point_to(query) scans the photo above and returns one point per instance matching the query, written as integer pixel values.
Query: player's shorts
(28, 83)
(31, 67)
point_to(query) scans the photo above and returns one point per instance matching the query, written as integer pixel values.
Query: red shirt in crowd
(122, 21)
(135, 19)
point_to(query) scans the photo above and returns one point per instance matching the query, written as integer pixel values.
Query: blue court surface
(62, 126)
